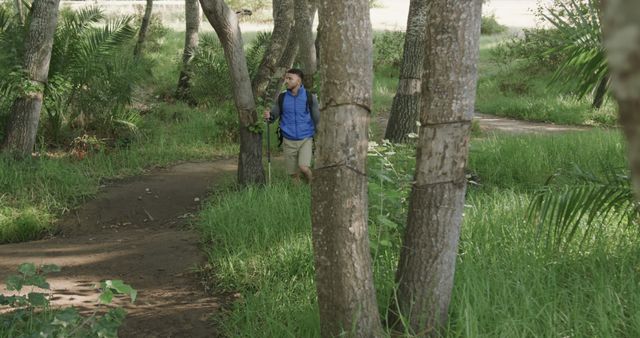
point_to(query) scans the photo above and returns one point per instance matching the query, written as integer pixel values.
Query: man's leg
(304, 159)
(290, 150)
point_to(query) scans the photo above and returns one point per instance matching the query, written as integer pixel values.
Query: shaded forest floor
(137, 230)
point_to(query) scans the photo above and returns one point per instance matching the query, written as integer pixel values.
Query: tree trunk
(21, 130)
(192, 18)
(344, 278)
(282, 23)
(304, 14)
(428, 256)
(600, 92)
(406, 104)
(225, 23)
(285, 62)
(144, 27)
(19, 11)
(622, 42)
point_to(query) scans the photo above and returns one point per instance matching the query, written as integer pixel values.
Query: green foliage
(211, 73)
(388, 48)
(489, 25)
(585, 209)
(31, 315)
(256, 51)
(580, 34)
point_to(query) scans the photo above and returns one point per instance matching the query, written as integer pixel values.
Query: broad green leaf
(120, 287)
(38, 299)
(14, 283)
(27, 269)
(106, 296)
(36, 280)
(66, 317)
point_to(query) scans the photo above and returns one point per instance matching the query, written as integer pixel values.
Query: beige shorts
(296, 154)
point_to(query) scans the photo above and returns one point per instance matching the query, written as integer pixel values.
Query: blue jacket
(296, 121)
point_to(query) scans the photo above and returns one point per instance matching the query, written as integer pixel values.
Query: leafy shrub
(256, 51)
(32, 316)
(489, 25)
(210, 83)
(388, 48)
(533, 47)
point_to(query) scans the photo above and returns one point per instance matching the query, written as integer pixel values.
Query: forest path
(135, 229)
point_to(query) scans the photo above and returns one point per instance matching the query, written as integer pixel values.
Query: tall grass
(506, 284)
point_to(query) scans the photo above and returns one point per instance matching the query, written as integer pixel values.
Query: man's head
(293, 78)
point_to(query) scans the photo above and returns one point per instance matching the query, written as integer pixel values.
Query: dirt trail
(135, 230)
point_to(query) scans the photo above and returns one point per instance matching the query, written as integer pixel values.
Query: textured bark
(344, 278)
(285, 62)
(225, 23)
(406, 104)
(192, 19)
(428, 256)
(144, 28)
(304, 14)
(21, 130)
(282, 24)
(621, 30)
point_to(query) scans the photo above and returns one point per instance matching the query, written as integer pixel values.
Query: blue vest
(295, 118)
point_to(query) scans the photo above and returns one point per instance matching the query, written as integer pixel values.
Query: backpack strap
(281, 101)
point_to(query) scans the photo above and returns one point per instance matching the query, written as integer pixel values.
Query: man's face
(292, 80)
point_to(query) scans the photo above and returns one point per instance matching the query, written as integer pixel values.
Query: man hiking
(299, 116)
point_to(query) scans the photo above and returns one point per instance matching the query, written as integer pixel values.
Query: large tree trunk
(622, 41)
(344, 278)
(282, 23)
(225, 23)
(406, 104)
(144, 27)
(25, 112)
(304, 14)
(192, 19)
(428, 256)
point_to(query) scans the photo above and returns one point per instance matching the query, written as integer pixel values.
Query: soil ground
(137, 230)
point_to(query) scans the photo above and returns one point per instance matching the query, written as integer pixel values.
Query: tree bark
(304, 14)
(19, 11)
(600, 92)
(344, 278)
(192, 19)
(282, 23)
(427, 260)
(21, 130)
(406, 104)
(621, 30)
(225, 23)
(144, 27)
(284, 63)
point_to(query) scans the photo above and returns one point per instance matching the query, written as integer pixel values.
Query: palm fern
(587, 208)
(585, 69)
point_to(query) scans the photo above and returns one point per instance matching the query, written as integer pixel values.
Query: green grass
(511, 88)
(506, 283)
(35, 191)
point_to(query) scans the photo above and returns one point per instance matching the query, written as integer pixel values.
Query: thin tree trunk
(304, 14)
(192, 18)
(344, 278)
(406, 104)
(225, 23)
(21, 130)
(428, 256)
(19, 11)
(600, 92)
(285, 62)
(144, 27)
(622, 42)
(282, 24)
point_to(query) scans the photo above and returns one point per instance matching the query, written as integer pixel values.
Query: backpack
(280, 104)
